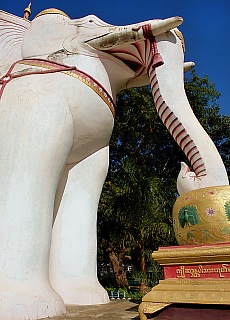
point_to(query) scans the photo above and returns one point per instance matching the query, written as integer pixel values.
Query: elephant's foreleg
(73, 259)
(32, 128)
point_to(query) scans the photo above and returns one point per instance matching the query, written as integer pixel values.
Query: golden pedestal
(193, 275)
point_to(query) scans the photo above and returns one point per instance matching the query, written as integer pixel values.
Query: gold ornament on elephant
(52, 11)
(27, 11)
(202, 216)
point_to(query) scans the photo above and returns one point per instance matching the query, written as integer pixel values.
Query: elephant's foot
(83, 293)
(29, 302)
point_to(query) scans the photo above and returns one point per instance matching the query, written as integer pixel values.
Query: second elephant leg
(73, 258)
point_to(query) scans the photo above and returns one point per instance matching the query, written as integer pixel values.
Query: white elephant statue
(58, 82)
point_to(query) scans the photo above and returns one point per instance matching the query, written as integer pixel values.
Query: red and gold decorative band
(57, 67)
(78, 74)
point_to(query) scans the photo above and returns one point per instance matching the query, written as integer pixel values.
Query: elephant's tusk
(188, 66)
(119, 36)
(161, 26)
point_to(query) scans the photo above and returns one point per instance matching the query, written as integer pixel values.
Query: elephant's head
(148, 52)
(154, 50)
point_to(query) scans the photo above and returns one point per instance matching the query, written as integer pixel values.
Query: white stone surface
(73, 259)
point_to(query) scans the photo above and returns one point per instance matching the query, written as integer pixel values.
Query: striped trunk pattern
(174, 126)
(141, 57)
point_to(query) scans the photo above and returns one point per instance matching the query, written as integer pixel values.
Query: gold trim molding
(190, 291)
(172, 291)
(193, 254)
(150, 308)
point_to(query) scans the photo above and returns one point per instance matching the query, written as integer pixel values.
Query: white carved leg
(73, 259)
(31, 162)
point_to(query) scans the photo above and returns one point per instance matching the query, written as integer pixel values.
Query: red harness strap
(157, 58)
(57, 67)
(5, 79)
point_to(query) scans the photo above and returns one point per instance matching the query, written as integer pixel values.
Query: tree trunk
(142, 259)
(143, 287)
(118, 268)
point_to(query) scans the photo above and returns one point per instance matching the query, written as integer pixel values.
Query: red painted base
(193, 312)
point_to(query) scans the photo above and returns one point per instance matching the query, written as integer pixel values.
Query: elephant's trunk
(167, 85)
(163, 58)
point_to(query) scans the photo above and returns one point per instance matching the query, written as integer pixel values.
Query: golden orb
(202, 216)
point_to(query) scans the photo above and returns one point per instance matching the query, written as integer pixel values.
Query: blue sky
(205, 28)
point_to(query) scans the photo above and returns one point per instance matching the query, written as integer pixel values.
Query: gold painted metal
(52, 11)
(203, 216)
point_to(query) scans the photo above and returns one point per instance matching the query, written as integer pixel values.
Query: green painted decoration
(188, 216)
(227, 209)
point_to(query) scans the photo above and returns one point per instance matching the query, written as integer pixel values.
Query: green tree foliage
(203, 98)
(137, 199)
(139, 134)
(135, 208)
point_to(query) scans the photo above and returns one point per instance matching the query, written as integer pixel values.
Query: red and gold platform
(197, 280)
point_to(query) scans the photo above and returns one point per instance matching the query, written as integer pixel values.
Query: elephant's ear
(12, 31)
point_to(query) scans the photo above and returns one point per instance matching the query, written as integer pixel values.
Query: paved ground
(117, 309)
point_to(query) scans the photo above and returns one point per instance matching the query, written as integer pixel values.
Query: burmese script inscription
(203, 271)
